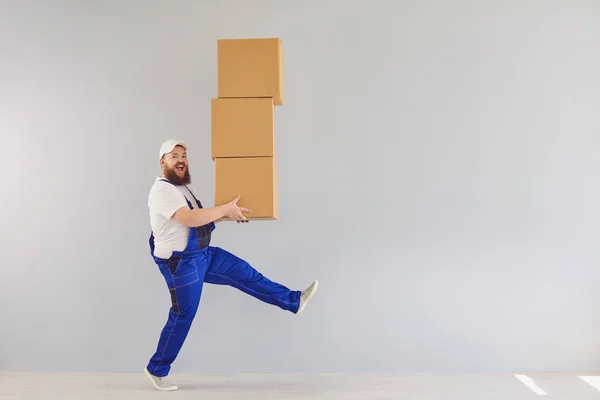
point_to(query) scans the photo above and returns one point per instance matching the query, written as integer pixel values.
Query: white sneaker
(160, 383)
(306, 295)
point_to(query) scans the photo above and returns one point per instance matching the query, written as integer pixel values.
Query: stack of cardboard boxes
(250, 86)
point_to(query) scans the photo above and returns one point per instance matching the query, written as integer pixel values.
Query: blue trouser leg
(215, 266)
(224, 268)
(185, 285)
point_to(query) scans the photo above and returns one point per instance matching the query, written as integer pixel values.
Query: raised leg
(224, 268)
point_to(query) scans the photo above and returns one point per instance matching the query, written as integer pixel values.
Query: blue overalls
(185, 273)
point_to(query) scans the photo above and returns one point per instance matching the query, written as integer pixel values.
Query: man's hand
(234, 212)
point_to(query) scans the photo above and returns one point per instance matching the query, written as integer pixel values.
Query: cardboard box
(250, 68)
(243, 127)
(254, 179)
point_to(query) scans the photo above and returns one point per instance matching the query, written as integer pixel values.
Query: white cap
(169, 145)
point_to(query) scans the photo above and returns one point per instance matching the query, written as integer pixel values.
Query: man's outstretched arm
(197, 216)
(203, 216)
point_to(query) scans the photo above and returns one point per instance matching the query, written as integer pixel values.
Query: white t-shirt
(164, 199)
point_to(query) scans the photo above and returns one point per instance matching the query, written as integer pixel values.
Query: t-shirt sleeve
(165, 200)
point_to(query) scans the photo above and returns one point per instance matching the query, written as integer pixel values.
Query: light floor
(22, 386)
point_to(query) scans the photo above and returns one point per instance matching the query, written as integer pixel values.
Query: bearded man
(180, 246)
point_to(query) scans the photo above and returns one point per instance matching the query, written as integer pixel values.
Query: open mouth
(180, 168)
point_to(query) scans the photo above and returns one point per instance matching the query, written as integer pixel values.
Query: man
(180, 246)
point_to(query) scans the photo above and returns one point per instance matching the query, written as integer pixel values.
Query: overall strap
(211, 226)
(192, 193)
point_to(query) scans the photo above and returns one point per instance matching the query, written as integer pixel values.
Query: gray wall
(438, 171)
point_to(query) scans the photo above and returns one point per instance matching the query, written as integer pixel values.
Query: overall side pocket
(186, 273)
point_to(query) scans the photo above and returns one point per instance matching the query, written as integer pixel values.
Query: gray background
(438, 169)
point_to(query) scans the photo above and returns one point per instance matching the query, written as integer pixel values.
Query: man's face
(175, 166)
